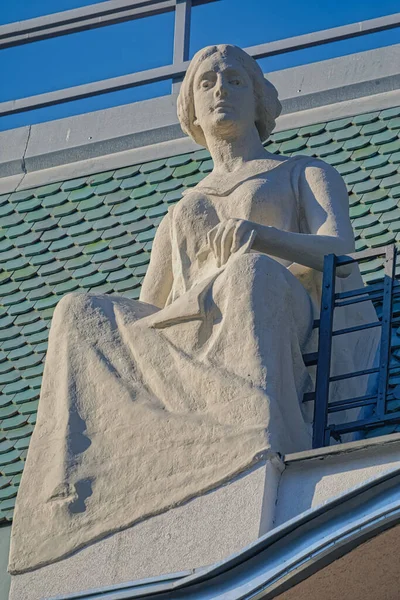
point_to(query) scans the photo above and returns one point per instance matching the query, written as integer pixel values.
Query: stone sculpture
(147, 404)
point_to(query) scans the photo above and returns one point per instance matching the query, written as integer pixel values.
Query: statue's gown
(142, 409)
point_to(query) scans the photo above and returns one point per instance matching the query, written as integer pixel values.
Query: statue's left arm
(323, 201)
(158, 280)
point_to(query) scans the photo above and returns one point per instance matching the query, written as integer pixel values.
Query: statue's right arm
(157, 283)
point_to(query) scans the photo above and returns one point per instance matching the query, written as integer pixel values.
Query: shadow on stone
(84, 490)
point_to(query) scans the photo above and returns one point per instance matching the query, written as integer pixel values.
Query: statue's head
(224, 90)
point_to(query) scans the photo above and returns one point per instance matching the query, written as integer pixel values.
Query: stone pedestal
(200, 532)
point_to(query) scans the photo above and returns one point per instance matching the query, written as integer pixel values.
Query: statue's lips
(223, 105)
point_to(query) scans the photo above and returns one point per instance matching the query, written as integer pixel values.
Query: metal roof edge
(312, 541)
(392, 439)
(335, 88)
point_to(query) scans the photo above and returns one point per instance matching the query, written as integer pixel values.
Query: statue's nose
(220, 90)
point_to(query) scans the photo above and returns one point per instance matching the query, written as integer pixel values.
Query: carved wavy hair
(268, 107)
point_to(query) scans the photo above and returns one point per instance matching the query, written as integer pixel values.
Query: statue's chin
(225, 125)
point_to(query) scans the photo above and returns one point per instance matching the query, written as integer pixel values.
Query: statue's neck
(230, 154)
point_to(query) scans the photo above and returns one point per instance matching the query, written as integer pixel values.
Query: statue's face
(223, 96)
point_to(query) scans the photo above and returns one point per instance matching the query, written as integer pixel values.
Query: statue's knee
(71, 307)
(255, 264)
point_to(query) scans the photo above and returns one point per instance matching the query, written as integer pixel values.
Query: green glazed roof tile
(88, 238)
(389, 148)
(342, 163)
(373, 128)
(365, 118)
(29, 206)
(205, 167)
(73, 184)
(37, 215)
(107, 188)
(394, 158)
(384, 137)
(389, 113)
(80, 194)
(116, 197)
(56, 200)
(390, 182)
(19, 309)
(381, 240)
(395, 192)
(126, 172)
(130, 250)
(384, 171)
(186, 169)
(364, 187)
(133, 182)
(152, 166)
(22, 196)
(100, 178)
(367, 151)
(103, 256)
(338, 124)
(97, 215)
(143, 191)
(357, 176)
(376, 161)
(293, 145)
(93, 280)
(45, 225)
(53, 234)
(176, 161)
(13, 219)
(375, 230)
(383, 206)
(160, 176)
(342, 135)
(394, 123)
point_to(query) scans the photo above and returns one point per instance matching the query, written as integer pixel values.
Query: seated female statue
(147, 404)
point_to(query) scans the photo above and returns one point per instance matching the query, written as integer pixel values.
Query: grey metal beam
(181, 37)
(325, 36)
(80, 19)
(91, 89)
(177, 70)
(182, 30)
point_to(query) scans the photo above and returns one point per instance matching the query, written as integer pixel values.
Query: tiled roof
(95, 234)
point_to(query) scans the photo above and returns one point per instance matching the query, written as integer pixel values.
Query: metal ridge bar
(370, 423)
(80, 19)
(176, 70)
(324, 36)
(95, 88)
(345, 259)
(357, 328)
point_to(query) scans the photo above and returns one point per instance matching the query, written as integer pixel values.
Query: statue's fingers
(216, 244)
(238, 234)
(226, 242)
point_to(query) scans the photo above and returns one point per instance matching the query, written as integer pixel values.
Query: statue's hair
(268, 107)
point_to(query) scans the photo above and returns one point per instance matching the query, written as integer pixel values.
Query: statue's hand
(228, 237)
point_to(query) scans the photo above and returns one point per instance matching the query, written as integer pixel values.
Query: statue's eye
(235, 81)
(205, 84)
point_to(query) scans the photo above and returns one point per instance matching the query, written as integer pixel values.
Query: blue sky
(146, 43)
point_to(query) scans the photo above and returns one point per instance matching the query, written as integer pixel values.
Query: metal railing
(378, 398)
(118, 11)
